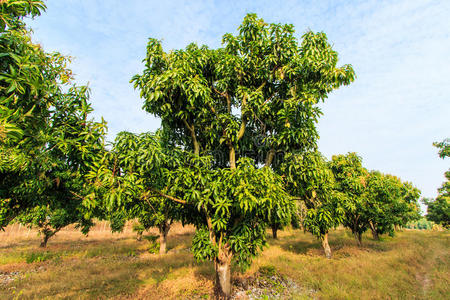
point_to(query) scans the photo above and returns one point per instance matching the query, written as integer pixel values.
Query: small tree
(311, 181)
(49, 220)
(126, 180)
(438, 210)
(389, 203)
(351, 181)
(408, 208)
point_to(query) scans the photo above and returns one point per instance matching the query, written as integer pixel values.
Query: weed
(39, 256)
(153, 246)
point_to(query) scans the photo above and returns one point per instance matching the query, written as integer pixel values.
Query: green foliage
(422, 224)
(39, 257)
(372, 200)
(389, 202)
(232, 110)
(351, 177)
(153, 244)
(310, 180)
(125, 179)
(202, 246)
(48, 220)
(237, 204)
(444, 148)
(439, 210)
(138, 228)
(47, 141)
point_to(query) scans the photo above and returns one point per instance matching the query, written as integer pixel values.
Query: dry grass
(413, 265)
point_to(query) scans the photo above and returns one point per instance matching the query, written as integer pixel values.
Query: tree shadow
(298, 247)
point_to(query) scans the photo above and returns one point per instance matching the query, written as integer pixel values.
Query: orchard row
(236, 153)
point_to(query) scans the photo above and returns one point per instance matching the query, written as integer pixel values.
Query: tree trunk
(358, 238)
(269, 157)
(163, 232)
(46, 236)
(232, 157)
(375, 235)
(326, 246)
(139, 236)
(275, 231)
(374, 231)
(222, 284)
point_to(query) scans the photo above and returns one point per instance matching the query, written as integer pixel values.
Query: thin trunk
(275, 231)
(163, 232)
(196, 145)
(375, 235)
(222, 284)
(139, 236)
(326, 246)
(358, 238)
(355, 231)
(46, 236)
(194, 138)
(232, 158)
(374, 231)
(269, 157)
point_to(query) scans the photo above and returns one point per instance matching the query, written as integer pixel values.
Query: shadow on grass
(340, 241)
(16, 245)
(296, 246)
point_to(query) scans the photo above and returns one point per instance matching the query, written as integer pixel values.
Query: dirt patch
(268, 283)
(6, 278)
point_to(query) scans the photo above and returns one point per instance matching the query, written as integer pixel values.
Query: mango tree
(389, 203)
(310, 180)
(407, 209)
(126, 179)
(351, 181)
(438, 210)
(49, 220)
(236, 110)
(47, 139)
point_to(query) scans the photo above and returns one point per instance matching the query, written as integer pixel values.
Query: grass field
(412, 265)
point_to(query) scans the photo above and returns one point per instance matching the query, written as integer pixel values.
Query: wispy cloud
(396, 108)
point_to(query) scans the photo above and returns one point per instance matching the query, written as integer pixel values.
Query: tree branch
(169, 197)
(242, 128)
(226, 96)
(212, 236)
(194, 138)
(269, 157)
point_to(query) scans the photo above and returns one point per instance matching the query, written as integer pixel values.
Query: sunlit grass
(412, 265)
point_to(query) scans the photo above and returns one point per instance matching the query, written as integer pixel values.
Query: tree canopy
(127, 181)
(438, 210)
(239, 107)
(311, 181)
(47, 140)
(236, 152)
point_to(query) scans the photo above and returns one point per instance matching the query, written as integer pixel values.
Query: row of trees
(236, 152)
(343, 192)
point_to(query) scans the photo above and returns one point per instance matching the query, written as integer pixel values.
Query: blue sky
(397, 107)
